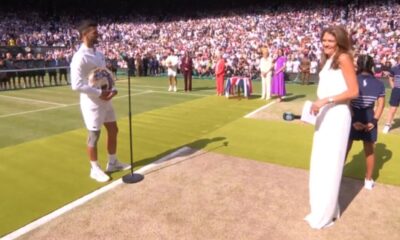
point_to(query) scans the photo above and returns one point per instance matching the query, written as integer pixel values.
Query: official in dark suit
(10, 65)
(63, 63)
(20, 63)
(187, 69)
(4, 79)
(30, 64)
(130, 63)
(40, 63)
(52, 63)
(145, 63)
(114, 66)
(139, 65)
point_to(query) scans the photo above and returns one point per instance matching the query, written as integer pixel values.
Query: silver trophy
(101, 78)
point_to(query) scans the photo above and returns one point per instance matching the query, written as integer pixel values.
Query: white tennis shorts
(95, 116)
(171, 73)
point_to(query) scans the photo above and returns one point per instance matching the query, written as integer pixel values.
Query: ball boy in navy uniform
(394, 81)
(365, 119)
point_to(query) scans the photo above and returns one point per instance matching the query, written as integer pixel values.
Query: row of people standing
(138, 65)
(19, 74)
(221, 70)
(185, 66)
(237, 67)
(272, 72)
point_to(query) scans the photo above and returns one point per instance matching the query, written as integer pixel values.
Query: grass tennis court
(43, 164)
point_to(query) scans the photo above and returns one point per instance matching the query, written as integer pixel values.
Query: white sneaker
(175, 89)
(117, 166)
(369, 184)
(98, 175)
(170, 88)
(386, 128)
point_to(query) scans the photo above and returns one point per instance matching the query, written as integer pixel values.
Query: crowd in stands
(143, 42)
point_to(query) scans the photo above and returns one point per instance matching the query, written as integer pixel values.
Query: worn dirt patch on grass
(214, 196)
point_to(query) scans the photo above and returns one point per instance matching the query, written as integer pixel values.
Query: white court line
(138, 85)
(33, 100)
(259, 109)
(150, 86)
(166, 92)
(65, 105)
(182, 93)
(45, 219)
(33, 111)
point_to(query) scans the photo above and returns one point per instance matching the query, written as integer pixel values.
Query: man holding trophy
(95, 83)
(172, 65)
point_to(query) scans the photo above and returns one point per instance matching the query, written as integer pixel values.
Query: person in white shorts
(95, 103)
(172, 65)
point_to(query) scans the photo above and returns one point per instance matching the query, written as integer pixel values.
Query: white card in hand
(306, 116)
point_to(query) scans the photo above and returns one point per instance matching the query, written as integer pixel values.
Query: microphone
(288, 116)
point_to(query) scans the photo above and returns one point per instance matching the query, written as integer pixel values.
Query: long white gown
(329, 149)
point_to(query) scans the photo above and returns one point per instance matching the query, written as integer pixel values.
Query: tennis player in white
(172, 62)
(95, 103)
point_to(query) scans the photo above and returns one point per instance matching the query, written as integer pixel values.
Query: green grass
(289, 144)
(20, 128)
(43, 164)
(43, 160)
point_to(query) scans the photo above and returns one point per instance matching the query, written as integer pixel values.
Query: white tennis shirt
(174, 62)
(83, 62)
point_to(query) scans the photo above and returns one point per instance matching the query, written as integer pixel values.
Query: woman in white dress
(266, 67)
(337, 86)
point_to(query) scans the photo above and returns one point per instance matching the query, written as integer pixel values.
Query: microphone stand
(131, 177)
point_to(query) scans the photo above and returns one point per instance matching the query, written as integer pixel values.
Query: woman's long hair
(343, 44)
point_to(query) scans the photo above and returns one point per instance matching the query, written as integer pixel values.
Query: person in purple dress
(278, 80)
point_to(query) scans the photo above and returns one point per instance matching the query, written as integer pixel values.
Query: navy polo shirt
(395, 73)
(370, 89)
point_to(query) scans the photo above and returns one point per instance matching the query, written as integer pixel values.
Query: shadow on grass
(356, 169)
(396, 124)
(195, 145)
(237, 97)
(292, 98)
(202, 88)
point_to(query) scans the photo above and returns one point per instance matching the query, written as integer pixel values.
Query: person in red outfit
(220, 73)
(187, 69)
